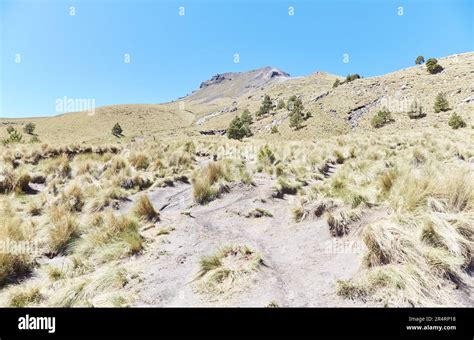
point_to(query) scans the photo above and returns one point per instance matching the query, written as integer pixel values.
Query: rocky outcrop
(217, 79)
(251, 79)
(356, 114)
(204, 119)
(213, 132)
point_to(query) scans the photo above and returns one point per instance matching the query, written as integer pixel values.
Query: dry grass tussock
(229, 268)
(209, 182)
(109, 238)
(144, 209)
(14, 233)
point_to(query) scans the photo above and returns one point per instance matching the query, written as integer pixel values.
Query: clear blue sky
(82, 56)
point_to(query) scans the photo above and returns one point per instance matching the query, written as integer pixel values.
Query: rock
(127, 184)
(38, 179)
(355, 114)
(216, 79)
(213, 132)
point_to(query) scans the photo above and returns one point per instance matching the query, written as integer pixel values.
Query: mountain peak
(264, 73)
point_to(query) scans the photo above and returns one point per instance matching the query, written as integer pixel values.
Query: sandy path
(301, 260)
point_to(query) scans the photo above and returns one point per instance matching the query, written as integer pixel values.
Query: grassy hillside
(214, 106)
(337, 213)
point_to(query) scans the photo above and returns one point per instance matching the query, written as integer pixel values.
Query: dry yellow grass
(144, 209)
(68, 195)
(227, 269)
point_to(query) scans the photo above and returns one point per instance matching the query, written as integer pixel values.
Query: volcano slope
(336, 213)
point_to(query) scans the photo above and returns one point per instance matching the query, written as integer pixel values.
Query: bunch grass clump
(63, 229)
(227, 269)
(208, 182)
(16, 262)
(110, 238)
(144, 209)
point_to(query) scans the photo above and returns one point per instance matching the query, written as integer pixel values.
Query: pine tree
(267, 106)
(352, 77)
(456, 121)
(29, 128)
(441, 103)
(296, 119)
(432, 66)
(419, 60)
(240, 126)
(247, 117)
(297, 115)
(117, 130)
(381, 118)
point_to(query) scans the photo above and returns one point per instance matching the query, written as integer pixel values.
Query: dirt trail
(302, 262)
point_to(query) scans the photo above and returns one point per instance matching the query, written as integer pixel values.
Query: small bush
(274, 129)
(117, 130)
(352, 77)
(336, 83)
(13, 137)
(29, 128)
(415, 111)
(456, 121)
(266, 156)
(441, 103)
(419, 60)
(432, 66)
(381, 118)
(266, 107)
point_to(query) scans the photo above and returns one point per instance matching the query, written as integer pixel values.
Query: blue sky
(82, 56)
